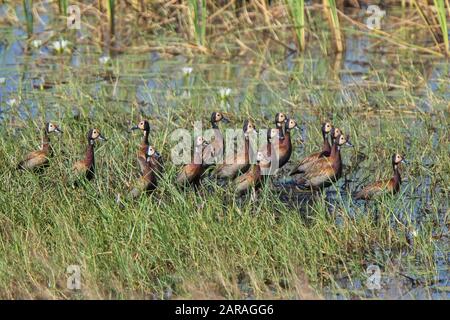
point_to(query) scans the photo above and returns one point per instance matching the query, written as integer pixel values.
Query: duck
(325, 170)
(384, 186)
(144, 126)
(306, 162)
(266, 150)
(149, 179)
(239, 162)
(285, 145)
(192, 173)
(280, 120)
(213, 153)
(39, 159)
(252, 179)
(86, 166)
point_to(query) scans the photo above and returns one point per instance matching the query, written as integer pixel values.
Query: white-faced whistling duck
(285, 145)
(306, 162)
(192, 173)
(239, 162)
(215, 150)
(325, 170)
(40, 158)
(144, 126)
(266, 150)
(152, 171)
(87, 166)
(253, 177)
(280, 120)
(386, 186)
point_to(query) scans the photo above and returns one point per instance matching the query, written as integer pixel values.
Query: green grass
(209, 244)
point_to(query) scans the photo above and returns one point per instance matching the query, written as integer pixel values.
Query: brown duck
(213, 153)
(239, 162)
(325, 170)
(268, 150)
(307, 162)
(192, 173)
(285, 145)
(252, 179)
(386, 186)
(86, 167)
(144, 126)
(153, 168)
(40, 158)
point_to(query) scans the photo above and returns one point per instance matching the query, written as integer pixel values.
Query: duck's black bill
(226, 120)
(134, 128)
(102, 138)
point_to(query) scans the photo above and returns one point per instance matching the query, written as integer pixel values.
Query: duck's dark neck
(45, 141)
(326, 147)
(397, 178)
(145, 137)
(269, 147)
(214, 125)
(89, 159)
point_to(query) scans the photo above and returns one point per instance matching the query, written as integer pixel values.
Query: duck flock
(314, 172)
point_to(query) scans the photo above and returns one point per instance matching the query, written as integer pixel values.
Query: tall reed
(28, 13)
(332, 15)
(297, 14)
(111, 16)
(198, 19)
(442, 18)
(63, 5)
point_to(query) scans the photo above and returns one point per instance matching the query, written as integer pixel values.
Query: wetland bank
(162, 65)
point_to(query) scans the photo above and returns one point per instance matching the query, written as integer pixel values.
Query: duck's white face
(51, 127)
(250, 128)
(273, 133)
(398, 158)
(150, 151)
(280, 117)
(200, 141)
(291, 124)
(337, 132)
(327, 127)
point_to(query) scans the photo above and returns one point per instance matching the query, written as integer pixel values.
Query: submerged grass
(191, 241)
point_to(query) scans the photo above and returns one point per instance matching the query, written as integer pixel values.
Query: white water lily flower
(2, 81)
(11, 102)
(36, 43)
(60, 45)
(224, 92)
(104, 60)
(187, 70)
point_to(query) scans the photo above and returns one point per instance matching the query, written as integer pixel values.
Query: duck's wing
(373, 189)
(33, 159)
(304, 164)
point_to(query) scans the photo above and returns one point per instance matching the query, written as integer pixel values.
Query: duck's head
(151, 152)
(94, 134)
(280, 119)
(335, 132)
(272, 133)
(326, 128)
(290, 124)
(342, 139)
(398, 158)
(249, 127)
(201, 142)
(217, 117)
(261, 158)
(51, 127)
(143, 125)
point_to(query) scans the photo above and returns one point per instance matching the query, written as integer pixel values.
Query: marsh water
(366, 75)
